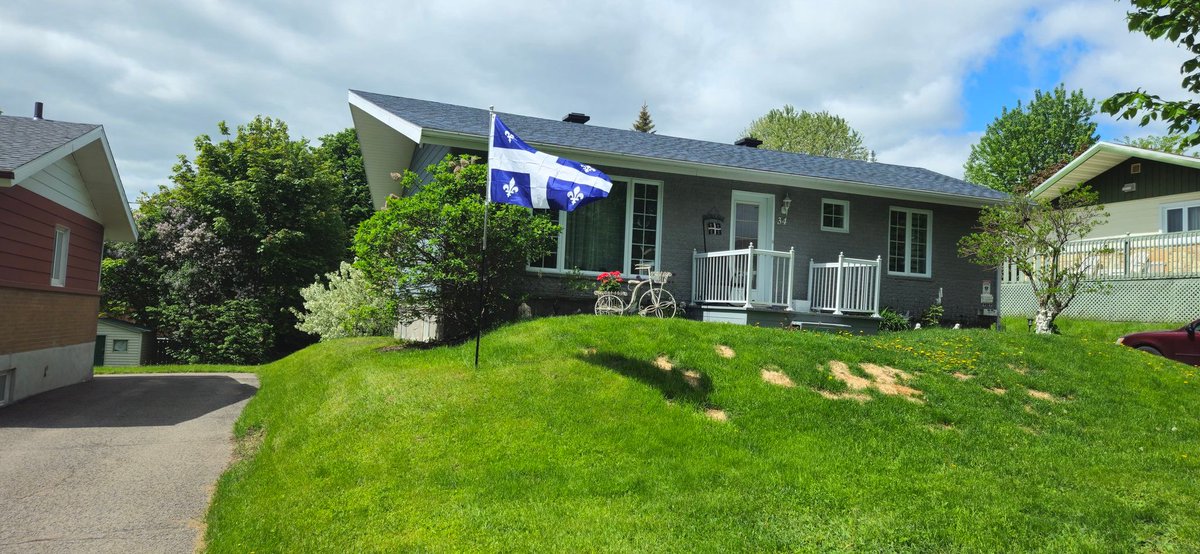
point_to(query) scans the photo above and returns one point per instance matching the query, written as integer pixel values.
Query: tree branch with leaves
(1178, 21)
(1034, 237)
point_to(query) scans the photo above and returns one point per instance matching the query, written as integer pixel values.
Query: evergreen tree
(644, 123)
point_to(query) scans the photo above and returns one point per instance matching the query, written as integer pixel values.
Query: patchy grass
(570, 437)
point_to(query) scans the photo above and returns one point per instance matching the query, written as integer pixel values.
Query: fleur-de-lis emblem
(511, 188)
(575, 196)
(588, 169)
(508, 135)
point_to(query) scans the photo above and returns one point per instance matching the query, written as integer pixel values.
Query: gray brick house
(750, 235)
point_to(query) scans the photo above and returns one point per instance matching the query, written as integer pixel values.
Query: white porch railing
(749, 277)
(1131, 257)
(847, 285)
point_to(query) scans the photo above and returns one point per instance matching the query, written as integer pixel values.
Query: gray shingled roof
(24, 139)
(474, 121)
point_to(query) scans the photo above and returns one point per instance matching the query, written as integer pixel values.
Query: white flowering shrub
(343, 304)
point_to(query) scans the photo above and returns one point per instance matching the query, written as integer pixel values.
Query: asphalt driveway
(123, 463)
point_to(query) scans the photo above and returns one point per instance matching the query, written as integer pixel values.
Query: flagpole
(487, 200)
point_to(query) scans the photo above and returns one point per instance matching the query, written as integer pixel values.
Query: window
(58, 271)
(618, 232)
(120, 345)
(835, 215)
(910, 235)
(1179, 218)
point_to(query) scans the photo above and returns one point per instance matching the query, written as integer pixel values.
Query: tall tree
(1029, 138)
(819, 134)
(644, 124)
(341, 150)
(1171, 144)
(1179, 22)
(224, 252)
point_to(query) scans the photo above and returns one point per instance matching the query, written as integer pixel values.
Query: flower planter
(612, 292)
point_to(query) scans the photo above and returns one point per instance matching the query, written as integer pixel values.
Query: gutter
(476, 141)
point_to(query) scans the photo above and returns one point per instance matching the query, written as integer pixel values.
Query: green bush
(892, 321)
(426, 246)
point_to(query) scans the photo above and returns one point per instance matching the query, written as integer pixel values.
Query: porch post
(878, 281)
(791, 275)
(810, 284)
(749, 273)
(837, 297)
(694, 276)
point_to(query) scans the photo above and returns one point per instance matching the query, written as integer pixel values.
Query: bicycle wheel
(609, 304)
(656, 303)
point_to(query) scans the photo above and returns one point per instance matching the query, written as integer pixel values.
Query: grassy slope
(546, 447)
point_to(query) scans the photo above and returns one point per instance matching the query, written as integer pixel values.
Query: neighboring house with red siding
(60, 199)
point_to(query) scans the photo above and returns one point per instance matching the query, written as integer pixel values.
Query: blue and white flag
(520, 175)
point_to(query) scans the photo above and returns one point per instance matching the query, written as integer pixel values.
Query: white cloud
(158, 74)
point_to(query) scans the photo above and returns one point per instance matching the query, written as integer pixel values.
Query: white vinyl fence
(849, 285)
(747, 277)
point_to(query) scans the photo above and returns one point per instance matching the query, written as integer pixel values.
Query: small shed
(120, 343)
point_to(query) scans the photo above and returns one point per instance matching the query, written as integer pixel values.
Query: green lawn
(196, 368)
(1100, 331)
(568, 438)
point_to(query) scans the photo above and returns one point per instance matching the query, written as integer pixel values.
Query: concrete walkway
(123, 463)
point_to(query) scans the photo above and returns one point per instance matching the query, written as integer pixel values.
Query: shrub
(426, 247)
(933, 316)
(892, 321)
(344, 305)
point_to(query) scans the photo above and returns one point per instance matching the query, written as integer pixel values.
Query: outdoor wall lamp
(783, 209)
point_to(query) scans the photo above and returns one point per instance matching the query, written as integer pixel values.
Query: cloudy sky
(920, 79)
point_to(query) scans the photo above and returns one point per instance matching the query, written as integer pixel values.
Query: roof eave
(1130, 151)
(114, 212)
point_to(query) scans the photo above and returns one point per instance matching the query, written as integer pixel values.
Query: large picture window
(910, 234)
(616, 233)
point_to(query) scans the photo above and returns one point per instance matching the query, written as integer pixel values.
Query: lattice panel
(1167, 300)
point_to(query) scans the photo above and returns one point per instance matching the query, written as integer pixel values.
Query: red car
(1179, 345)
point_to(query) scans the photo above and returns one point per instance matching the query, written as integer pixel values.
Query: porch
(752, 286)
(1152, 277)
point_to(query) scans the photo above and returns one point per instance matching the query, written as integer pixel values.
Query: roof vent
(575, 117)
(748, 141)
(37, 110)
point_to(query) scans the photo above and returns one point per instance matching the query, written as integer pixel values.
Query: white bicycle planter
(647, 298)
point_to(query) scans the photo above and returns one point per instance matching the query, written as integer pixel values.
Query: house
(60, 199)
(120, 343)
(1150, 242)
(751, 235)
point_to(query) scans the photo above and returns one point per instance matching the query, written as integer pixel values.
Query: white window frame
(908, 242)
(561, 253)
(114, 345)
(845, 204)
(62, 249)
(1164, 208)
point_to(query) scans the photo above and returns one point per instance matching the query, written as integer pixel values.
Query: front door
(753, 223)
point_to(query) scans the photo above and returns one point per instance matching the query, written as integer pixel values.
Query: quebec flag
(520, 175)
